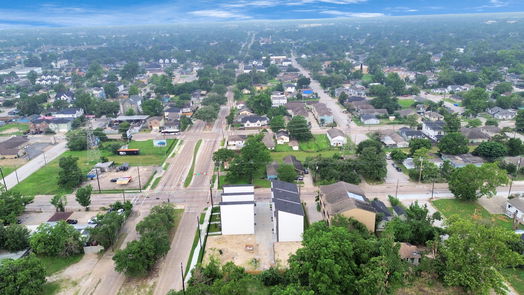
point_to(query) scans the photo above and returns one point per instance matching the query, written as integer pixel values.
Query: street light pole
(139, 182)
(183, 283)
(98, 180)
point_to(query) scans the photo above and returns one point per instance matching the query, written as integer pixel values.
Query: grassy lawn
(515, 278)
(406, 103)
(55, 264)
(319, 143)
(14, 129)
(189, 177)
(283, 148)
(51, 288)
(156, 182)
(427, 286)
(7, 170)
(452, 101)
(44, 181)
(258, 182)
(367, 78)
(450, 207)
(301, 156)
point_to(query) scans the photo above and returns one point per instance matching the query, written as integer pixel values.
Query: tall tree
(519, 121)
(471, 182)
(298, 129)
(372, 164)
(152, 107)
(69, 174)
(24, 276)
(453, 144)
(12, 204)
(83, 196)
(260, 103)
(452, 123)
(287, 173)
(474, 254)
(253, 157)
(60, 239)
(277, 123)
(59, 202)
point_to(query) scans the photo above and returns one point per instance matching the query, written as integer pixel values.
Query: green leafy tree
(453, 144)
(152, 107)
(69, 174)
(303, 82)
(277, 123)
(418, 143)
(223, 155)
(12, 204)
(452, 123)
(133, 90)
(372, 163)
(60, 239)
(490, 150)
(471, 182)
(369, 143)
(515, 147)
(476, 100)
(130, 71)
(77, 140)
(59, 202)
(473, 123)
(287, 173)
(398, 156)
(207, 113)
(14, 237)
(260, 104)
(107, 229)
(474, 254)
(412, 120)
(519, 121)
(111, 90)
(299, 129)
(503, 87)
(83, 196)
(31, 76)
(24, 276)
(416, 229)
(253, 157)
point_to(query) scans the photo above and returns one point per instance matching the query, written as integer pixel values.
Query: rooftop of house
(408, 251)
(434, 125)
(368, 117)
(69, 111)
(517, 203)
(254, 119)
(286, 197)
(334, 132)
(343, 196)
(12, 145)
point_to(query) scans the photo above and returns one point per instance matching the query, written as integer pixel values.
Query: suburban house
(433, 116)
(296, 108)
(406, 112)
(288, 211)
(294, 145)
(376, 112)
(155, 123)
(336, 137)
(347, 200)
(410, 253)
(322, 113)
(292, 160)
(392, 139)
(60, 125)
(459, 161)
(433, 129)
(505, 115)
(515, 209)
(70, 113)
(272, 170)
(269, 141)
(237, 210)
(369, 119)
(68, 96)
(383, 214)
(359, 106)
(14, 147)
(254, 121)
(409, 134)
(474, 135)
(236, 142)
(172, 111)
(290, 88)
(282, 137)
(134, 102)
(278, 99)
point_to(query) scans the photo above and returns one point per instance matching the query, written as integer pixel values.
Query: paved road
(35, 164)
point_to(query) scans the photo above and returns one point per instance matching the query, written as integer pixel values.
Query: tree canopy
(471, 182)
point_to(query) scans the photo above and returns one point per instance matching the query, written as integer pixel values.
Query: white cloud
(352, 14)
(340, 2)
(217, 13)
(494, 4)
(412, 10)
(260, 3)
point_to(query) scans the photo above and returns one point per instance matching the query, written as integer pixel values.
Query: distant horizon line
(13, 27)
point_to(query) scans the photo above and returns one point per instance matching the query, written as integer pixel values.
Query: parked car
(72, 221)
(114, 179)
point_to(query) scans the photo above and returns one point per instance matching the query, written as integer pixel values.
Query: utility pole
(420, 173)
(183, 283)
(139, 183)
(45, 160)
(98, 180)
(3, 179)
(199, 237)
(396, 190)
(16, 174)
(432, 189)
(124, 195)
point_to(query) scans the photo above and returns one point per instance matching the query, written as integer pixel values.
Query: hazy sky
(67, 13)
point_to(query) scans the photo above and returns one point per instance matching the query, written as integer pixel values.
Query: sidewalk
(35, 164)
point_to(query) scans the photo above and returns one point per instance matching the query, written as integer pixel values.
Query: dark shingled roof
(380, 207)
(289, 207)
(399, 210)
(286, 198)
(284, 186)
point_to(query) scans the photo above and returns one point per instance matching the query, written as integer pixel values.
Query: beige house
(409, 253)
(347, 200)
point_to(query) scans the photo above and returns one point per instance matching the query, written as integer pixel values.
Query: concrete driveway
(393, 175)
(495, 205)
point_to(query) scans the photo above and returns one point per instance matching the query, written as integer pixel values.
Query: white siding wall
(510, 212)
(290, 227)
(239, 189)
(238, 219)
(238, 198)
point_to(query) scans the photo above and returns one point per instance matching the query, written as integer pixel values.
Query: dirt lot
(283, 250)
(105, 178)
(233, 249)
